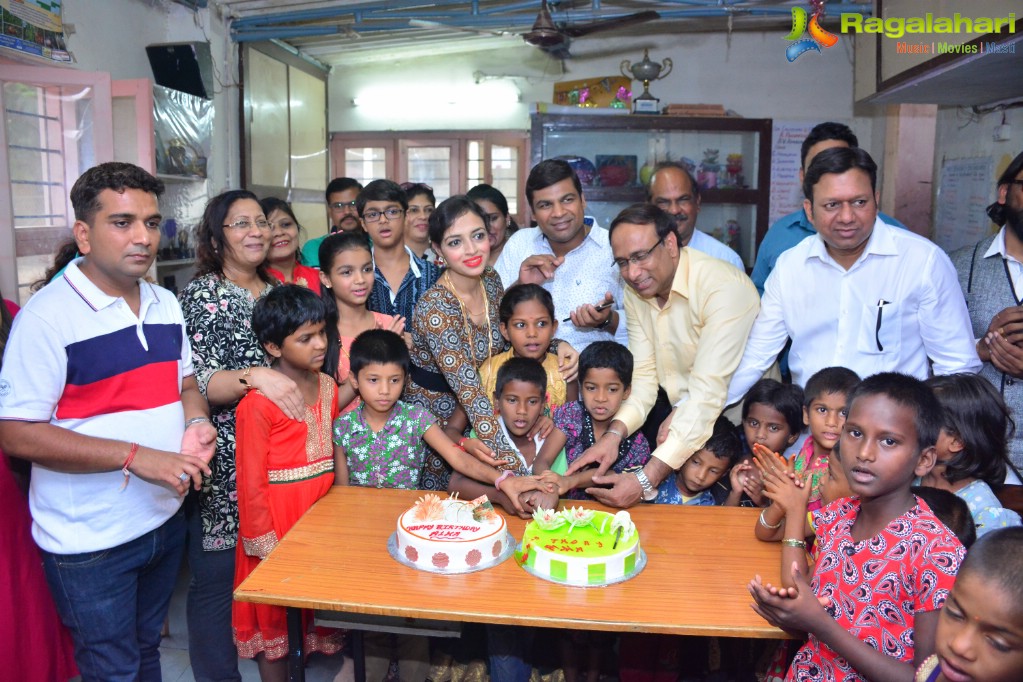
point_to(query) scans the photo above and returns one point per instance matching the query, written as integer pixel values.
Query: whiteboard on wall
(786, 193)
(964, 191)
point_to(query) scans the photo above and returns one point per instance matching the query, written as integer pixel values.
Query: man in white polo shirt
(97, 392)
(567, 257)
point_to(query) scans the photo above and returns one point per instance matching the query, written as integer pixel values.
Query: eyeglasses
(245, 224)
(421, 186)
(374, 216)
(338, 205)
(638, 258)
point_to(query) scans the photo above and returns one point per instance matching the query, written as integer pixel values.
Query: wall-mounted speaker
(187, 67)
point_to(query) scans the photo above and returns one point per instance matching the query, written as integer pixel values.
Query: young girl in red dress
(284, 466)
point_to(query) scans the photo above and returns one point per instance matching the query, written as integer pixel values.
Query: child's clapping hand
(743, 476)
(788, 491)
(767, 459)
(792, 608)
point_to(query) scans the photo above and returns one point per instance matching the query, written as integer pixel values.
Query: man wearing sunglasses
(689, 315)
(341, 195)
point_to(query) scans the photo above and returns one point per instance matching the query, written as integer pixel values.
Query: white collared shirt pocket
(880, 329)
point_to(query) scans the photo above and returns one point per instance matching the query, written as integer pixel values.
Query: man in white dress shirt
(860, 293)
(568, 258)
(674, 190)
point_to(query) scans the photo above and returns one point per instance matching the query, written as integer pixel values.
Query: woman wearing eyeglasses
(500, 224)
(231, 258)
(282, 260)
(421, 202)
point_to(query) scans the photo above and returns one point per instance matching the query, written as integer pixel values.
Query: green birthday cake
(581, 546)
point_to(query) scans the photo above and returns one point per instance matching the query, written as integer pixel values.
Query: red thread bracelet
(127, 463)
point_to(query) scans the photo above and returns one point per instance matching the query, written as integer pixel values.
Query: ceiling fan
(550, 37)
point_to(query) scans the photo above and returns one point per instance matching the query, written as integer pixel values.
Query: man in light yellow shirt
(688, 315)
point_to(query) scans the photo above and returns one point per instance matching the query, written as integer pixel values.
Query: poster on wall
(786, 193)
(964, 191)
(33, 28)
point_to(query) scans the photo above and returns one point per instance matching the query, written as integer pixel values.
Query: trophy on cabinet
(646, 71)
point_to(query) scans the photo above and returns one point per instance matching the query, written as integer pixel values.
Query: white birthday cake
(452, 535)
(581, 547)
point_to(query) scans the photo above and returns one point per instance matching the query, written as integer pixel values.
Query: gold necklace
(466, 323)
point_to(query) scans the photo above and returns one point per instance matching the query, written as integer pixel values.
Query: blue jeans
(211, 649)
(114, 602)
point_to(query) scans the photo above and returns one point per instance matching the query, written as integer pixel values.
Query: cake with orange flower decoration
(452, 535)
(580, 546)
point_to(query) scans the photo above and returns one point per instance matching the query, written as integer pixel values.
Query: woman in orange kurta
(284, 466)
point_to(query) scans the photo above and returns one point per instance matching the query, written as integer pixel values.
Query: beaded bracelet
(768, 526)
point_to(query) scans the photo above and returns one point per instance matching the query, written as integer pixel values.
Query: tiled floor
(174, 648)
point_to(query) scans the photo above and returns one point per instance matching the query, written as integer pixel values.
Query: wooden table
(699, 560)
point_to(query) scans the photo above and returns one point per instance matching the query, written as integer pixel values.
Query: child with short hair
(528, 323)
(789, 494)
(980, 629)
(772, 415)
(692, 483)
(382, 444)
(605, 378)
(973, 447)
(283, 467)
(824, 410)
(519, 400)
(882, 600)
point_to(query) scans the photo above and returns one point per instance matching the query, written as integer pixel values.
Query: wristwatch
(649, 491)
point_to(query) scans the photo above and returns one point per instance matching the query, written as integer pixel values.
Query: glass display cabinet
(614, 156)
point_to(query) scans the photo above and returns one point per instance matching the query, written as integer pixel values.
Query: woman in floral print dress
(233, 239)
(455, 328)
